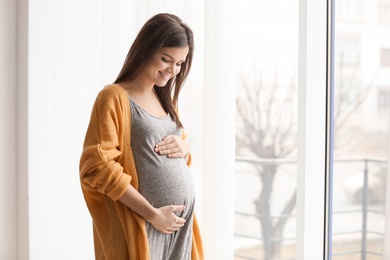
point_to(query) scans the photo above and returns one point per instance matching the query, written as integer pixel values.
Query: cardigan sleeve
(100, 169)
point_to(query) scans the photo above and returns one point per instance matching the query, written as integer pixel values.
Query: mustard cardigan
(106, 169)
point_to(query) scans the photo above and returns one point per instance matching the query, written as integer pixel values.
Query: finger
(164, 148)
(173, 152)
(177, 226)
(178, 208)
(175, 155)
(166, 140)
(179, 222)
(174, 228)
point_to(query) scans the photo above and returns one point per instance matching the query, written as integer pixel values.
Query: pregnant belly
(167, 182)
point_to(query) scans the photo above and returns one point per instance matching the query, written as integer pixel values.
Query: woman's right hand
(165, 220)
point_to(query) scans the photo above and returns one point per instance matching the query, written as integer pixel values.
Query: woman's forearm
(136, 202)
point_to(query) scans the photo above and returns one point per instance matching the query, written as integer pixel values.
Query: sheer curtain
(219, 133)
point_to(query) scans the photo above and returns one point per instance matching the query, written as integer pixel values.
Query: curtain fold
(219, 129)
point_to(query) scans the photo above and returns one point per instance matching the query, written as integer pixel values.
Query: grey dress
(162, 181)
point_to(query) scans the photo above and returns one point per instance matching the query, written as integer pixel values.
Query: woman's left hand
(173, 146)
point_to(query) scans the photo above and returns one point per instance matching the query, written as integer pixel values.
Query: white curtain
(219, 130)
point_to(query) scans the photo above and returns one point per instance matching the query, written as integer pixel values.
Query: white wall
(8, 50)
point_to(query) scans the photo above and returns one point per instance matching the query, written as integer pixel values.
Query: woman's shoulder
(111, 97)
(112, 93)
(113, 90)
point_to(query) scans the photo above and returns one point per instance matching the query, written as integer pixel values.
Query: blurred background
(266, 127)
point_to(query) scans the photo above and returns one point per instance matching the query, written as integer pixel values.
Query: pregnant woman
(134, 166)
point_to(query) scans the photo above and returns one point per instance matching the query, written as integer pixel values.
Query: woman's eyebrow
(172, 57)
(168, 56)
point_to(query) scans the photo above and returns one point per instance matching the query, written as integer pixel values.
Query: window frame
(315, 82)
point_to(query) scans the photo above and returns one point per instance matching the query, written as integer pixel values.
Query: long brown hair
(162, 30)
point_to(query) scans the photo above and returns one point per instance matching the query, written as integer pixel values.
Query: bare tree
(266, 128)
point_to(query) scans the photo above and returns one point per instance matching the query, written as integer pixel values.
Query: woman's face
(165, 64)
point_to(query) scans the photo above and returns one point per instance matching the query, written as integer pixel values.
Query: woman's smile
(166, 76)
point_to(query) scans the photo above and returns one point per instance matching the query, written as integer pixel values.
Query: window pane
(266, 126)
(361, 130)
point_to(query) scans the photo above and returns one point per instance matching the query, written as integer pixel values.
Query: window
(266, 127)
(359, 181)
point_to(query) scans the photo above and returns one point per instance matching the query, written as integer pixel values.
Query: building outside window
(385, 57)
(384, 12)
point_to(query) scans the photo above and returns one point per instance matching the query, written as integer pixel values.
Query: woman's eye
(164, 59)
(179, 64)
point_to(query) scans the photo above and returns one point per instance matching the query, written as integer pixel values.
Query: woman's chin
(161, 85)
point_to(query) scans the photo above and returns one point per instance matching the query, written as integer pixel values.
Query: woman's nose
(172, 69)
